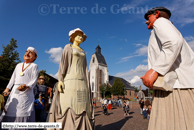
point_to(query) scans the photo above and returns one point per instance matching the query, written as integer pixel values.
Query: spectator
(126, 107)
(141, 104)
(39, 105)
(50, 95)
(120, 103)
(2, 101)
(147, 102)
(109, 104)
(102, 102)
(149, 111)
(145, 112)
(105, 101)
(94, 102)
(42, 89)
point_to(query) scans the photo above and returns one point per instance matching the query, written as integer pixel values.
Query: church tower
(98, 72)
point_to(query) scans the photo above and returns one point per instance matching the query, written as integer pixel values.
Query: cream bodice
(76, 70)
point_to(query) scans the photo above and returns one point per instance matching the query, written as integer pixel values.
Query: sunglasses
(41, 78)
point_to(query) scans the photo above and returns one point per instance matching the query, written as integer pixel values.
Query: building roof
(52, 80)
(127, 84)
(99, 56)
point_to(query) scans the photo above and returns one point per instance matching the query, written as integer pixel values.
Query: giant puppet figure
(72, 102)
(20, 103)
(169, 56)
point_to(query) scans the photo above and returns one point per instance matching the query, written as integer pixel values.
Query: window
(129, 93)
(93, 59)
(92, 86)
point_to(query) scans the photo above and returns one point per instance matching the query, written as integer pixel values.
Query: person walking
(141, 104)
(102, 102)
(109, 104)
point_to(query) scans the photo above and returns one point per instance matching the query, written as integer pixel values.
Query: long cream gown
(76, 91)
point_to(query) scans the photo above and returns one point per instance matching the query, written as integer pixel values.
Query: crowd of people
(145, 108)
(108, 104)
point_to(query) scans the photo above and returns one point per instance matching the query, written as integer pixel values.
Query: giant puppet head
(77, 35)
(30, 55)
(156, 13)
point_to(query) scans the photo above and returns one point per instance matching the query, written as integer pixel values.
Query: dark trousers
(38, 114)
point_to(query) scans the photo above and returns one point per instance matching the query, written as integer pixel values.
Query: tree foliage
(43, 72)
(8, 62)
(118, 87)
(136, 88)
(105, 89)
(102, 88)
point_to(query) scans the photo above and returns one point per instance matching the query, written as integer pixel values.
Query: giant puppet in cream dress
(72, 103)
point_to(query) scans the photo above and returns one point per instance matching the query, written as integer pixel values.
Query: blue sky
(118, 26)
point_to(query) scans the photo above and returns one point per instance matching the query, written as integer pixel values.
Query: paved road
(117, 121)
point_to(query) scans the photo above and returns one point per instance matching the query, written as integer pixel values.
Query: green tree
(150, 92)
(105, 89)
(102, 88)
(8, 62)
(136, 88)
(43, 72)
(118, 87)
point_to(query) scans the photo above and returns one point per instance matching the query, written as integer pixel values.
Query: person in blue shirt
(39, 104)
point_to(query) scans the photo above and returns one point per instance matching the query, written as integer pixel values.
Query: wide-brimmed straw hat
(73, 33)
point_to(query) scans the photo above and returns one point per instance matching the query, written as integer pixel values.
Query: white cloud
(139, 70)
(182, 11)
(139, 52)
(111, 37)
(145, 61)
(135, 79)
(142, 51)
(137, 45)
(133, 75)
(189, 38)
(124, 59)
(55, 54)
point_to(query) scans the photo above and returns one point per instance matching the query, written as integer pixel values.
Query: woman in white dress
(72, 103)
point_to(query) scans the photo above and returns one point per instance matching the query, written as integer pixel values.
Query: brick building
(130, 91)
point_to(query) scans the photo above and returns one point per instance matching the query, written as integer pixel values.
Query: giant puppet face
(78, 38)
(151, 19)
(29, 56)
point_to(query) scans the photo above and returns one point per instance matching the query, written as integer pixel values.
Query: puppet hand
(22, 87)
(61, 86)
(149, 78)
(6, 92)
